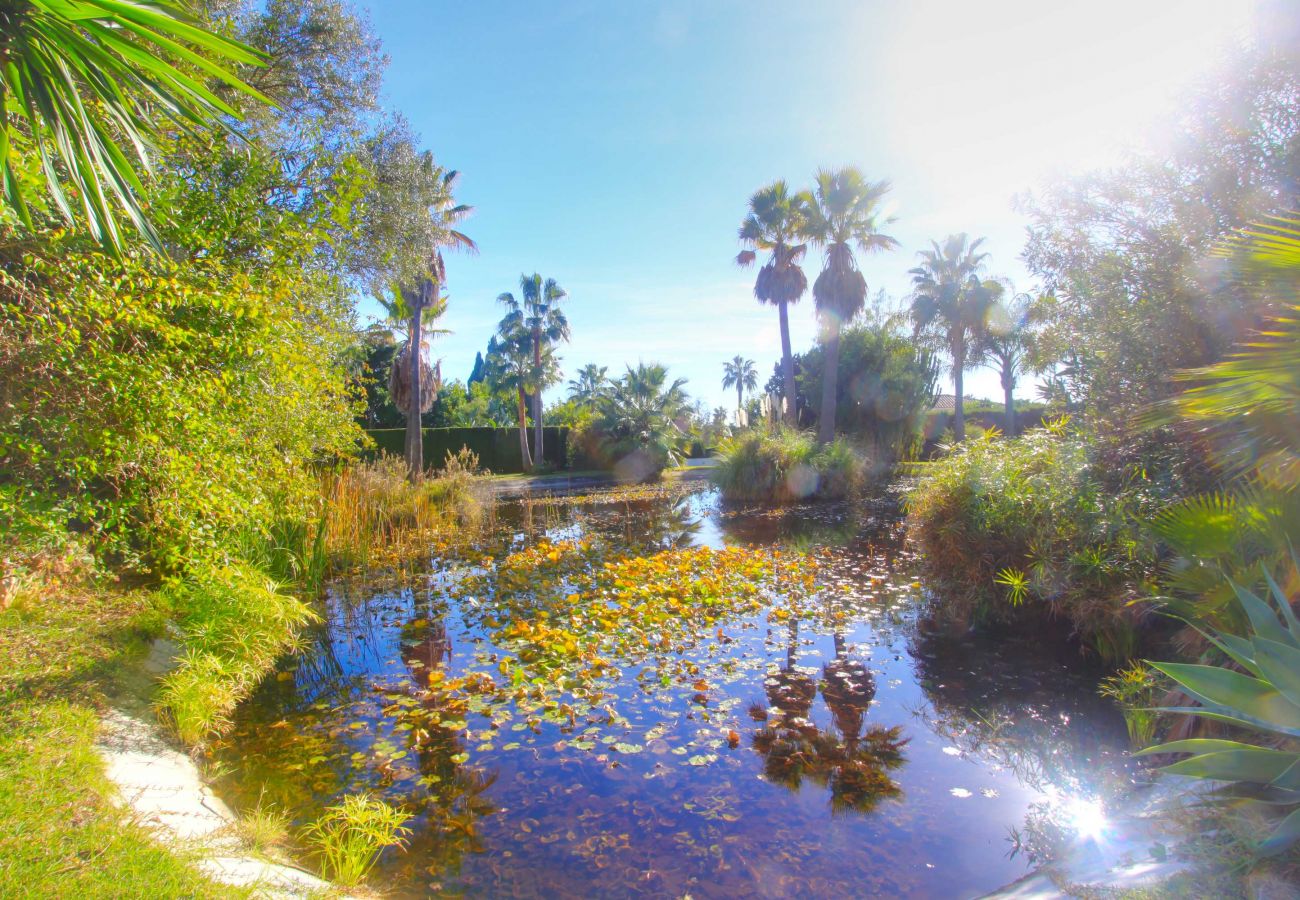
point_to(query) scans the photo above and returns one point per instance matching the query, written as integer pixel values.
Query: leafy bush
(636, 425)
(786, 466)
(349, 837)
(1013, 528)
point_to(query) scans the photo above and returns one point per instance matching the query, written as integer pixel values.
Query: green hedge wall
(497, 448)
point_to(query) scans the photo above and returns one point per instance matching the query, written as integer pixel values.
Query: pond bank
(166, 794)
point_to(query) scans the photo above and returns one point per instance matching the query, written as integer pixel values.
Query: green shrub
(1028, 526)
(786, 466)
(349, 837)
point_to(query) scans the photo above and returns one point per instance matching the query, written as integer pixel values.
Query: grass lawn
(61, 835)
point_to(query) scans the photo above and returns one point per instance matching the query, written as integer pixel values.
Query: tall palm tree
(638, 417)
(592, 382)
(845, 212)
(775, 223)
(740, 374)
(425, 290)
(1004, 344)
(949, 298)
(398, 315)
(538, 311)
(85, 87)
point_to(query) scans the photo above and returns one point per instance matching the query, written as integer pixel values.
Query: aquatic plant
(1134, 688)
(1262, 700)
(786, 466)
(349, 837)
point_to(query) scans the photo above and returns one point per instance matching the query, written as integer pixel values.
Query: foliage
(349, 837)
(1135, 689)
(886, 386)
(86, 84)
(637, 422)
(739, 373)
(591, 382)
(1263, 700)
(1125, 253)
(786, 466)
(234, 625)
(1039, 516)
(537, 314)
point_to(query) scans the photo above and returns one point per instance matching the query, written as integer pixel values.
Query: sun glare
(1086, 817)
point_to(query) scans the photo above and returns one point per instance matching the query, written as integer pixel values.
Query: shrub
(786, 466)
(349, 837)
(1014, 528)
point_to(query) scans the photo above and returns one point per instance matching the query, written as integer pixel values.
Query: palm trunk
(537, 398)
(414, 433)
(959, 410)
(740, 402)
(787, 367)
(830, 382)
(1011, 408)
(523, 432)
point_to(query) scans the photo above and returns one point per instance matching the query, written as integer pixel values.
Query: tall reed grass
(348, 838)
(786, 466)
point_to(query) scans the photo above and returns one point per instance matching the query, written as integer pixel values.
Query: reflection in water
(666, 787)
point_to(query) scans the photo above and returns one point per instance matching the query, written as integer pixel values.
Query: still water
(867, 752)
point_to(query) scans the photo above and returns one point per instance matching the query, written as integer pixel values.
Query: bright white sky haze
(613, 146)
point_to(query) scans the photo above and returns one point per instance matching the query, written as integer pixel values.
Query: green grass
(786, 466)
(61, 834)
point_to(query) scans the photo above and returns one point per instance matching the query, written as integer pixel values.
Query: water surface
(857, 751)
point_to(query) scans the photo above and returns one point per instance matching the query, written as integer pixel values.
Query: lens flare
(1086, 817)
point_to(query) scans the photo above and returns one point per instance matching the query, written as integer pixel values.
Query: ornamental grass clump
(786, 466)
(234, 624)
(350, 836)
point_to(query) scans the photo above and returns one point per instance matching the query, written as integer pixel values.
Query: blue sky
(612, 145)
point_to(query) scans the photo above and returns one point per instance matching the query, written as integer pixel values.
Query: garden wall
(497, 448)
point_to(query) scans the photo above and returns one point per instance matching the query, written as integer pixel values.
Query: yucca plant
(1262, 700)
(86, 85)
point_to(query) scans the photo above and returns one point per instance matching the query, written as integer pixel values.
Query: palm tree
(590, 385)
(510, 367)
(1004, 344)
(538, 311)
(740, 374)
(948, 297)
(844, 213)
(400, 386)
(775, 221)
(86, 85)
(443, 213)
(638, 419)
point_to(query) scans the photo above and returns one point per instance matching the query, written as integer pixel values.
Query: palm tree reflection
(852, 763)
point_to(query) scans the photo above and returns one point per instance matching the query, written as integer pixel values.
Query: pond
(650, 693)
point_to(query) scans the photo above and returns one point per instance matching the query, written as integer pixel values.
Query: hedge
(497, 448)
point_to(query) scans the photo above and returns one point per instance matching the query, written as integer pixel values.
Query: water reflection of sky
(739, 790)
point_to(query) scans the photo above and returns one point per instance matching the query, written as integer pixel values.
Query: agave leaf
(1195, 745)
(1290, 779)
(1262, 617)
(1280, 665)
(1234, 717)
(1283, 836)
(1292, 623)
(1255, 764)
(1237, 694)
(1238, 649)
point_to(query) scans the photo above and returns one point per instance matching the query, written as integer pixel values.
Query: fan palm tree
(538, 311)
(638, 418)
(510, 367)
(1004, 344)
(425, 290)
(86, 86)
(949, 298)
(774, 223)
(591, 383)
(398, 313)
(740, 374)
(844, 213)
